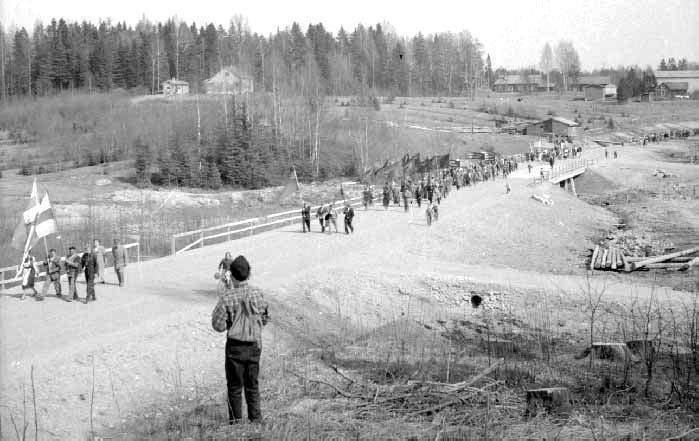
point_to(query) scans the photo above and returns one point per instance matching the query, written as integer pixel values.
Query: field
(370, 332)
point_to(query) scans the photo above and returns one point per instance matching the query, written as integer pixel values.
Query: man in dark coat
(53, 271)
(89, 263)
(349, 215)
(73, 267)
(306, 217)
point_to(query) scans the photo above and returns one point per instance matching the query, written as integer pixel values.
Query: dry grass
(414, 379)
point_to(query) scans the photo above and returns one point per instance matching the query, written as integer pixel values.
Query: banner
(45, 220)
(21, 233)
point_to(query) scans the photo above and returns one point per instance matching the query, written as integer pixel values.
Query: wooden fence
(246, 227)
(6, 282)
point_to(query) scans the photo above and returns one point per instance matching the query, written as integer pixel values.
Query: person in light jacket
(98, 251)
(120, 260)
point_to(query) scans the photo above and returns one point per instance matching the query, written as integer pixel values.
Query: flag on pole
(291, 187)
(45, 220)
(21, 233)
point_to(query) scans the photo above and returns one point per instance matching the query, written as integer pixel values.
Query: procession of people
(89, 265)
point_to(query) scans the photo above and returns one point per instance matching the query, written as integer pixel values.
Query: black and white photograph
(363, 220)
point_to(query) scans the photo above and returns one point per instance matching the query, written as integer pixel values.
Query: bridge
(565, 172)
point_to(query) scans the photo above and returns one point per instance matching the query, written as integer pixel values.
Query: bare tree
(568, 61)
(546, 63)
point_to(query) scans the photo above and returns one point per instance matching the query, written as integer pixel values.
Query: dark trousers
(348, 226)
(306, 222)
(322, 224)
(242, 370)
(72, 289)
(120, 275)
(90, 282)
(55, 280)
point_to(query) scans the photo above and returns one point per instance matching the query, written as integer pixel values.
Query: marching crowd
(427, 189)
(91, 263)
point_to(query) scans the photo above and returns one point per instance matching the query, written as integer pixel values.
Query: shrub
(610, 123)
(375, 102)
(451, 104)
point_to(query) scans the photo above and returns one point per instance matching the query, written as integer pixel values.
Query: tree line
(680, 64)
(65, 55)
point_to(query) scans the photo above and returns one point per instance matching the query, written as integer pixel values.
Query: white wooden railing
(247, 227)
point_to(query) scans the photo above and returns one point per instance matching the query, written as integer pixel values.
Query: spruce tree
(142, 163)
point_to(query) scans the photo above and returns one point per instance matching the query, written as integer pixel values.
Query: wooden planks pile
(613, 259)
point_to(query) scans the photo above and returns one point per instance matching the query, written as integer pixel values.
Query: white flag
(30, 213)
(45, 221)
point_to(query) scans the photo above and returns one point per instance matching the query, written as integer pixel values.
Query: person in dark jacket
(242, 357)
(53, 270)
(349, 215)
(73, 268)
(306, 217)
(89, 263)
(386, 197)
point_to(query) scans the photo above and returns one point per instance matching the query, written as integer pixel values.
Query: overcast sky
(605, 32)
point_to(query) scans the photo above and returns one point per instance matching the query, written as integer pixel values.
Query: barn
(175, 87)
(229, 81)
(672, 89)
(553, 126)
(691, 77)
(599, 91)
(586, 81)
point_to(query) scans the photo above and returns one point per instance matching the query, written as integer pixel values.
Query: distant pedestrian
(507, 186)
(73, 267)
(320, 214)
(53, 273)
(29, 272)
(386, 197)
(306, 217)
(615, 154)
(606, 154)
(428, 214)
(99, 252)
(349, 216)
(333, 218)
(435, 213)
(120, 260)
(529, 166)
(242, 311)
(224, 264)
(89, 263)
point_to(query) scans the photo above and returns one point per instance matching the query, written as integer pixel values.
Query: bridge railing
(8, 274)
(243, 228)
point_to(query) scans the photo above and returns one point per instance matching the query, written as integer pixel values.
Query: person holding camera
(242, 312)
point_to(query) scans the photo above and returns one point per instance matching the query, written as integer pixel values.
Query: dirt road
(153, 336)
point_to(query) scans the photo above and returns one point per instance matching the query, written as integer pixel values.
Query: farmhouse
(671, 89)
(691, 77)
(175, 87)
(230, 81)
(555, 126)
(602, 81)
(521, 83)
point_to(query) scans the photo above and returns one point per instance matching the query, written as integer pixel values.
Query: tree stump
(612, 351)
(551, 399)
(499, 347)
(642, 348)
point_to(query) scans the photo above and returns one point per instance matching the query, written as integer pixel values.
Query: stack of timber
(613, 258)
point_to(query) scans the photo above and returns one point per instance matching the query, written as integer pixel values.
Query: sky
(606, 33)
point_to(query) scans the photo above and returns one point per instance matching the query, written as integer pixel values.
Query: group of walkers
(327, 216)
(91, 263)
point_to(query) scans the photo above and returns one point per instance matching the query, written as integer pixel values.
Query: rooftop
(661, 74)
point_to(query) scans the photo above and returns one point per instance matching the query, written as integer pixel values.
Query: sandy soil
(153, 336)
